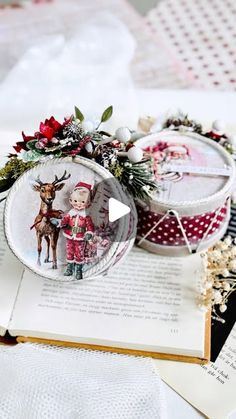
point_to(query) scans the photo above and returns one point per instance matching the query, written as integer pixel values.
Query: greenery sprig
(11, 171)
(78, 136)
(137, 178)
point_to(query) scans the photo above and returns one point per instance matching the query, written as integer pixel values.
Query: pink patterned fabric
(168, 232)
(200, 36)
(75, 251)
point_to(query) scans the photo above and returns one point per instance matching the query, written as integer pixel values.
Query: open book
(210, 388)
(146, 306)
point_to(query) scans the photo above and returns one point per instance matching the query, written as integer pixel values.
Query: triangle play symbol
(117, 209)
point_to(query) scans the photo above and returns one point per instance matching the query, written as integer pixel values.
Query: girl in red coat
(77, 228)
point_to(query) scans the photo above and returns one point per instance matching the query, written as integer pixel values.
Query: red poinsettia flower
(49, 128)
(21, 145)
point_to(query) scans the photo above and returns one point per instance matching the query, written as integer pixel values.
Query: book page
(210, 388)
(11, 271)
(147, 303)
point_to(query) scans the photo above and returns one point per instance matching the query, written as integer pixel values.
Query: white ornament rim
(106, 262)
(203, 203)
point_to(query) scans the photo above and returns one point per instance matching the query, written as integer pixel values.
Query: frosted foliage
(39, 381)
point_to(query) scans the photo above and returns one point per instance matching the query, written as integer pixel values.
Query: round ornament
(123, 134)
(57, 219)
(191, 210)
(135, 154)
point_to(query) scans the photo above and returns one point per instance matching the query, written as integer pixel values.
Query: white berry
(218, 126)
(89, 147)
(123, 134)
(135, 154)
(232, 140)
(87, 125)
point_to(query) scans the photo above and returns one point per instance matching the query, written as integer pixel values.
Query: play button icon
(117, 209)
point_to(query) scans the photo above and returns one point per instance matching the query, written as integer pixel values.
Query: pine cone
(73, 130)
(106, 156)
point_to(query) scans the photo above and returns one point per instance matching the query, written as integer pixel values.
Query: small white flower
(225, 273)
(208, 285)
(232, 265)
(226, 286)
(216, 254)
(223, 308)
(233, 251)
(217, 297)
(223, 246)
(228, 240)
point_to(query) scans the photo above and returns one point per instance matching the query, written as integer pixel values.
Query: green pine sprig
(11, 171)
(136, 178)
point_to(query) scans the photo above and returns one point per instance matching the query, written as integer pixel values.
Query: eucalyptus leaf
(78, 114)
(58, 153)
(31, 155)
(107, 114)
(31, 144)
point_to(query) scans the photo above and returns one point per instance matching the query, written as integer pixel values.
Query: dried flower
(220, 279)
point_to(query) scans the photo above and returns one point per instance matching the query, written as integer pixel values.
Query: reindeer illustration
(42, 223)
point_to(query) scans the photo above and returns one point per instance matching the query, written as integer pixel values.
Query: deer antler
(38, 180)
(63, 177)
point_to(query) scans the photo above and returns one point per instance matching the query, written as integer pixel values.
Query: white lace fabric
(42, 381)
